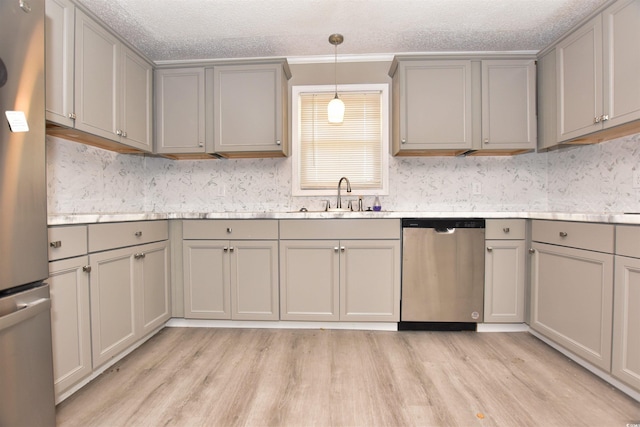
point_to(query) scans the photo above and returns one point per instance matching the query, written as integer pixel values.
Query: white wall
(84, 179)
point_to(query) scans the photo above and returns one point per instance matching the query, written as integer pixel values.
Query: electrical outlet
(476, 188)
(636, 179)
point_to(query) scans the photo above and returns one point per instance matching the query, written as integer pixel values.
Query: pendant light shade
(335, 109)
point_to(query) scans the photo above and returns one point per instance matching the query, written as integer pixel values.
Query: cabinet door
(562, 276)
(136, 96)
(96, 79)
(504, 281)
(309, 279)
(180, 126)
(70, 322)
(59, 41)
(247, 108)
(113, 312)
(206, 279)
(254, 280)
(153, 279)
(579, 73)
(370, 280)
(626, 323)
(621, 30)
(435, 105)
(509, 104)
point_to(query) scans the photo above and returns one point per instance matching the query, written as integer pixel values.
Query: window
(357, 148)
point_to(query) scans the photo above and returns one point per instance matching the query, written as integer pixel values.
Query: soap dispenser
(376, 204)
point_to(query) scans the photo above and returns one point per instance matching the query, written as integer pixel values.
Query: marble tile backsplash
(84, 179)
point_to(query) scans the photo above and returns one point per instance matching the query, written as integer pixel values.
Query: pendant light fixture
(335, 109)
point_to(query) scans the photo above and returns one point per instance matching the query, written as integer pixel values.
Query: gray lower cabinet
(325, 278)
(129, 284)
(504, 293)
(231, 279)
(572, 287)
(626, 308)
(70, 314)
(129, 296)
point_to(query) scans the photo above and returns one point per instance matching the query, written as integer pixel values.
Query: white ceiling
(213, 29)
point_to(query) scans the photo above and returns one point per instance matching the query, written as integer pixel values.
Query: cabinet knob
(138, 233)
(532, 251)
(139, 255)
(119, 132)
(404, 141)
(229, 230)
(225, 249)
(56, 244)
(231, 249)
(489, 249)
(341, 248)
(278, 142)
(72, 116)
(563, 234)
(86, 269)
(506, 229)
(604, 117)
(486, 140)
(200, 144)
(336, 249)
(124, 134)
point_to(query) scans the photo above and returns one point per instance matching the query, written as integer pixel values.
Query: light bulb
(335, 110)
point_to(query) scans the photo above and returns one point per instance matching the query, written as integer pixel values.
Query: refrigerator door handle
(24, 312)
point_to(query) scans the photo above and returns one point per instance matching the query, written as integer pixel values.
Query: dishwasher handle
(446, 230)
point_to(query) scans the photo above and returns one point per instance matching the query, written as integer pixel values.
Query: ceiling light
(335, 109)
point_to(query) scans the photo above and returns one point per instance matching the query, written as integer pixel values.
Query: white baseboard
(259, 324)
(503, 327)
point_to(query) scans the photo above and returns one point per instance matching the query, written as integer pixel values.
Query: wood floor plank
(258, 377)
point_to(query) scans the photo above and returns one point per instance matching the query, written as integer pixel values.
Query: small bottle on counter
(376, 204)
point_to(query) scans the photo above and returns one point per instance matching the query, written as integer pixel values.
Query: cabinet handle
(119, 132)
(506, 229)
(563, 234)
(200, 144)
(486, 140)
(56, 244)
(278, 142)
(604, 117)
(404, 141)
(231, 249)
(138, 233)
(489, 249)
(72, 116)
(229, 230)
(86, 269)
(139, 255)
(336, 249)
(225, 249)
(596, 120)
(532, 251)
(341, 248)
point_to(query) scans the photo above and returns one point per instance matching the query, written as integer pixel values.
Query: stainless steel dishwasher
(442, 274)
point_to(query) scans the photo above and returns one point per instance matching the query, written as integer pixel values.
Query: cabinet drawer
(505, 229)
(340, 229)
(628, 240)
(67, 242)
(253, 229)
(590, 236)
(121, 234)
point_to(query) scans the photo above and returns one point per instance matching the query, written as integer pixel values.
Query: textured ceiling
(213, 29)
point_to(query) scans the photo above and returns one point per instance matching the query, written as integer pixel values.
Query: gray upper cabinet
(431, 106)
(509, 105)
(249, 109)
(180, 111)
(597, 73)
(95, 84)
(59, 38)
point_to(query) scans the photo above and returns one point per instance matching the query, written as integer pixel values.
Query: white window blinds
(353, 148)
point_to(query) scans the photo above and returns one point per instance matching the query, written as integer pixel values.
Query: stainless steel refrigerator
(26, 367)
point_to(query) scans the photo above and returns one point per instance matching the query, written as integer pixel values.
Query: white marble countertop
(89, 218)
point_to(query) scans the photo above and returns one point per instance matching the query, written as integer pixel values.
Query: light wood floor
(248, 377)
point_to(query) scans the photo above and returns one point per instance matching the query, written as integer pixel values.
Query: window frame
(296, 91)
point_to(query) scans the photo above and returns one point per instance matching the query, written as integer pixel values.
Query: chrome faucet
(339, 202)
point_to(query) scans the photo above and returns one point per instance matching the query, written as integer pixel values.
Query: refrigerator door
(23, 198)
